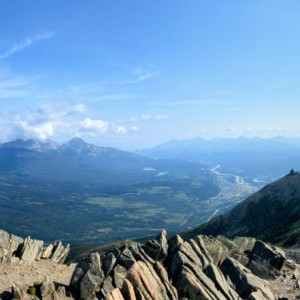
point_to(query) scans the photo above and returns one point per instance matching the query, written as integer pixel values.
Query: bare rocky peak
(74, 147)
(40, 146)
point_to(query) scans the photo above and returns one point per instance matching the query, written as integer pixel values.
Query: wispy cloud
(14, 85)
(137, 75)
(146, 117)
(185, 103)
(20, 46)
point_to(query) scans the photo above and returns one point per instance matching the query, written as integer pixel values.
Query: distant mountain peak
(76, 141)
(31, 144)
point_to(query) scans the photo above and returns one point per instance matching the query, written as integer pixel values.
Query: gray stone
(4, 239)
(47, 289)
(3, 252)
(47, 251)
(60, 293)
(243, 259)
(157, 248)
(126, 259)
(108, 262)
(274, 257)
(115, 295)
(17, 293)
(60, 252)
(15, 242)
(119, 275)
(215, 274)
(95, 266)
(218, 251)
(107, 286)
(244, 244)
(31, 249)
(139, 254)
(243, 281)
(89, 285)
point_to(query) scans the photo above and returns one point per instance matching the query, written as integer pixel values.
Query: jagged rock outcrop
(202, 268)
(28, 249)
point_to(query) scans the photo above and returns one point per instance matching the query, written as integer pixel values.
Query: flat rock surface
(24, 273)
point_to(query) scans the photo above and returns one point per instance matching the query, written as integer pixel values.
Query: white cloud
(79, 108)
(120, 129)
(25, 129)
(145, 117)
(94, 126)
(231, 129)
(47, 121)
(17, 47)
(134, 128)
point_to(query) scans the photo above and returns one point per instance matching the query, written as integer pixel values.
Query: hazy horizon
(137, 74)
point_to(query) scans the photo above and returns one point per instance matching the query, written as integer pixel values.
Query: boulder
(60, 293)
(48, 289)
(90, 265)
(186, 271)
(157, 248)
(89, 285)
(60, 252)
(17, 293)
(119, 275)
(107, 286)
(4, 239)
(108, 262)
(244, 244)
(215, 274)
(14, 244)
(217, 250)
(274, 257)
(266, 262)
(139, 253)
(31, 249)
(243, 281)
(47, 251)
(146, 282)
(126, 259)
(3, 251)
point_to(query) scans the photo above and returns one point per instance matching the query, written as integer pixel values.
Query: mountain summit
(272, 214)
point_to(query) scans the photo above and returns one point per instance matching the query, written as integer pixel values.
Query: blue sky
(136, 73)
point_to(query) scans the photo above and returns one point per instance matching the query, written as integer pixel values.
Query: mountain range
(259, 161)
(79, 192)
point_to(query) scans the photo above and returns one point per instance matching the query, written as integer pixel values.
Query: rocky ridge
(201, 268)
(205, 267)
